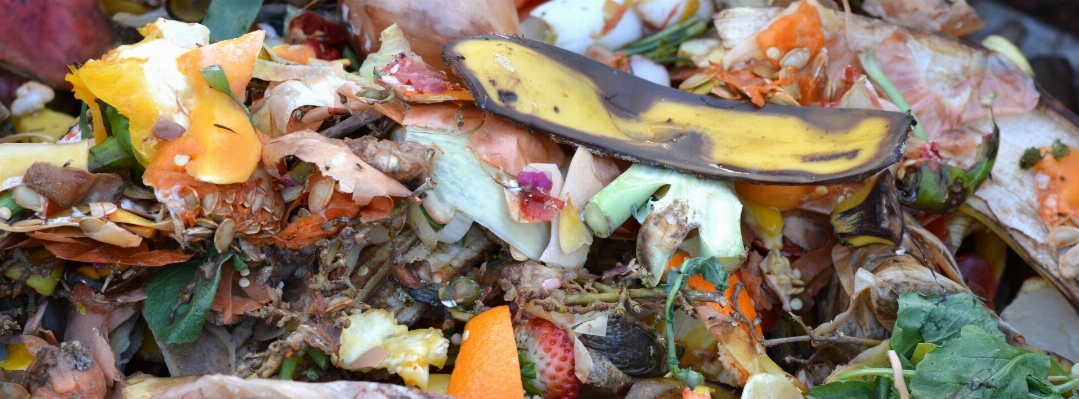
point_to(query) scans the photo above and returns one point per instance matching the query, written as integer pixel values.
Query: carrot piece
(698, 283)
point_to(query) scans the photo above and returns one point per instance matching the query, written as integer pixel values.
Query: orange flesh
(778, 197)
(487, 366)
(1060, 198)
(802, 29)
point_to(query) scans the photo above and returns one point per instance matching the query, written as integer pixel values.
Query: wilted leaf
(881, 387)
(229, 19)
(930, 319)
(174, 324)
(979, 364)
(333, 158)
(91, 251)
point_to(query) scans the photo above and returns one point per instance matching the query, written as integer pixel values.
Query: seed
(207, 223)
(251, 229)
(257, 203)
(1063, 236)
(223, 237)
(209, 203)
(797, 58)
(773, 53)
(464, 337)
(245, 272)
(821, 190)
(101, 209)
(181, 159)
(5, 213)
(796, 304)
(320, 195)
(1069, 263)
(26, 197)
(797, 273)
(244, 282)
(167, 130)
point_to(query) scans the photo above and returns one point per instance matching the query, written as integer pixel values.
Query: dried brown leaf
(335, 159)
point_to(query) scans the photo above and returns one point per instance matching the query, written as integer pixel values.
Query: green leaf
(1031, 156)
(710, 268)
(920, 351)
(1059, 149)
(229, 19)
(162, 294)
(217, 78)
(979, 364)
(929, 319)
(880, 388)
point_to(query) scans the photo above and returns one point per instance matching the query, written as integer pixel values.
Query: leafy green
(880, 388)
(980, 364)
(935, 321)
(115, 153)
(1059, 149)
(229, 19)
(1031, 156)
(177, 324)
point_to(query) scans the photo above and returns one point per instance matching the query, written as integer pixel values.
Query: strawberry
(550, 349)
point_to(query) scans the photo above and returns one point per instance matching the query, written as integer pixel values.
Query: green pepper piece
(940, 188)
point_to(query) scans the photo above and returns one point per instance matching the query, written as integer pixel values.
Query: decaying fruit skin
(588, 103)
(631, 349)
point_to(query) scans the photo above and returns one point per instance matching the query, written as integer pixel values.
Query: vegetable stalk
(689, 203)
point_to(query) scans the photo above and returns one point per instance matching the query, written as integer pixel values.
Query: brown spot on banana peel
(585, 102)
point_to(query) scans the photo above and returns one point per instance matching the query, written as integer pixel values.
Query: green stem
(319, 357)
(110, 156)
(869, 63)
(7, 201)
(1067, 386)
(872, 372)
(288, 366)
(670, 36)
(676, 278)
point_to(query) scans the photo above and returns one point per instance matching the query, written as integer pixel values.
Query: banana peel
(615, 113)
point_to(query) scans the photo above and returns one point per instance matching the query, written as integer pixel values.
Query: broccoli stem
(613, 205)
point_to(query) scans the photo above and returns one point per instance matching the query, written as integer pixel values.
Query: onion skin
(428, 24)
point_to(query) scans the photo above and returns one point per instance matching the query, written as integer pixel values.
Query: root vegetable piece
(609, 111)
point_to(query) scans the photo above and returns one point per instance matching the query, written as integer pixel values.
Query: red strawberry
(550, 348)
